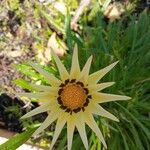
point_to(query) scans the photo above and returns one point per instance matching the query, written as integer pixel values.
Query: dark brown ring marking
(62, 85)
(86, 103)
(76, 110)
(67, 81)
(59, 100)
(80, 83)
(89, 96)
(83, 109)
(63, 107)
(60, 91)
(73, 80)
(86, 90)
(68, 110)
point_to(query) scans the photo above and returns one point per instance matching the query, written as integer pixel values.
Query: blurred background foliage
(108, 30)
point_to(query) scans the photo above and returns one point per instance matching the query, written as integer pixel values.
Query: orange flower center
(73, 96)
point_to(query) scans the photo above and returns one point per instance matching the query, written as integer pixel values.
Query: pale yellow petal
(80, 125)
(98, 110)
(104, 97)
(62, 70)
(50, 78)
(93, 125)
(44, 88)
(43, 108)
(59, 126)
(96, 76)
(75, 68)
(99, 87)
(85, 71)
(45, 96)
(70, 131)
(51, 118)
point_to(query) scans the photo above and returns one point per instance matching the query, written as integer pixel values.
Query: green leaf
(68, 32)
(124, 138)
(105, 5)
(27, 70)
(136, 137)
(24, 84)
(51, 21)
(62, 143)
(17, 140)
(145, 130)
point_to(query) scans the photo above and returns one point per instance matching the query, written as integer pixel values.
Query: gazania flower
(73, 99)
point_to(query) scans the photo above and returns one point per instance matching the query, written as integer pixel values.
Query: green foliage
(24, 84)
(28, 71)
(51, 21)
(125, 40)
(128, 44)
(19, 139)
(14, 4)
(13, 110)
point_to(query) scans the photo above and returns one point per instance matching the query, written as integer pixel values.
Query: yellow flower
(73, 99)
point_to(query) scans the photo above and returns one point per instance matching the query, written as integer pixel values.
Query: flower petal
(59, 126)
(80, 125)
(98, 110)
(92, 124)
(42, 96)
(51, 118)
(70, 130)
(50, 78)
(99, 87)
(104, 97)
(43, 88)
(96, 76)
(43, 108)
(75, 68)
(86, 69)
(62, 70)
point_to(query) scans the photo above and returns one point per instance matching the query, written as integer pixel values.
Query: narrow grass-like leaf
(136, 136)
(123, 137)
(17, 140)
(62, 143)
(51, 21)
(145, 130)
(24, 84)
